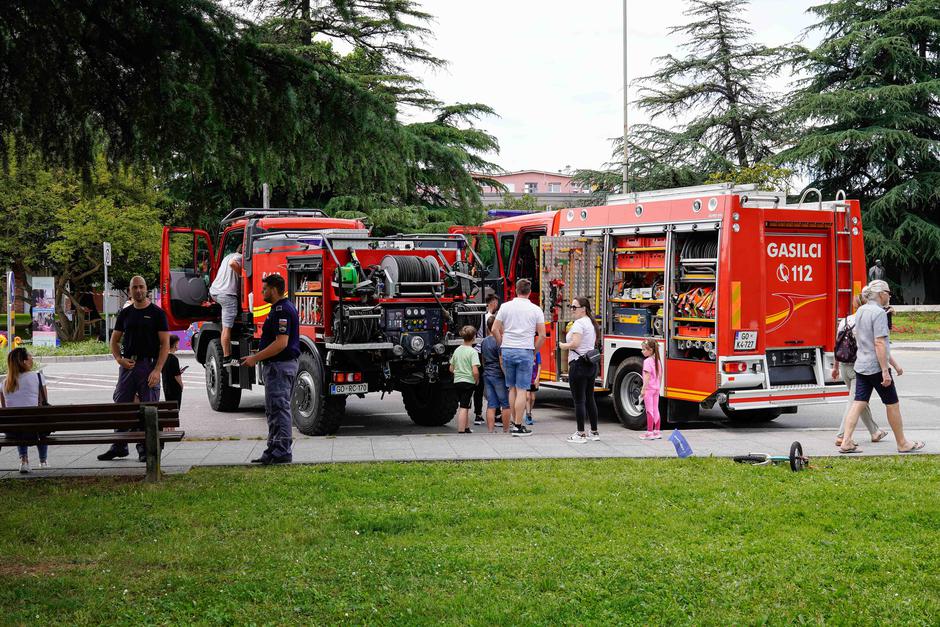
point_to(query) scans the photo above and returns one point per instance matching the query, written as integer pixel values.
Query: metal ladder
(845, 230)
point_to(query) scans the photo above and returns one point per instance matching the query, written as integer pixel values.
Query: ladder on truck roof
(843, 232)
(243, 213)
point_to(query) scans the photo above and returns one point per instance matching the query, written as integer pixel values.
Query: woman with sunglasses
(24, 387)
(580, 339)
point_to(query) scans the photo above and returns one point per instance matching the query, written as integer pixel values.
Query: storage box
(631, 321)
(626, 261)
(654, 259)
(688, 330)
(656, 241)
(631, 241)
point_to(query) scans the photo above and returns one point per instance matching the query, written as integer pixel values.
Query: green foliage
(721, 83)
(766, 176)
(526, 202)
(668, 541)
(871, 107)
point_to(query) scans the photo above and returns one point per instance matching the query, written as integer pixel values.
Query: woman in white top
(846, 372)
(582, 338)
(24, 387)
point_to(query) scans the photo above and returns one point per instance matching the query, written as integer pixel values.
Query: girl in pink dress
(652, 376)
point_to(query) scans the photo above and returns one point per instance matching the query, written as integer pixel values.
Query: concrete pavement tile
(395, 455)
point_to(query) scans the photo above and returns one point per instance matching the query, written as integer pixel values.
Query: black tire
(221, 397)
(312, 411)
(744, 416)
(628, 381)
(797, 461)
(430, 405)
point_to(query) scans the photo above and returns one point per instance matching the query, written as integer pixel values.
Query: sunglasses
(575, 306)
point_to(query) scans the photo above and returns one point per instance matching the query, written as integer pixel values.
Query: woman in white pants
(846, 371)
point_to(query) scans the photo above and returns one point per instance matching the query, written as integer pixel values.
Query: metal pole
(265, 196)
(626, 100)
(104, 305)
(11, 313)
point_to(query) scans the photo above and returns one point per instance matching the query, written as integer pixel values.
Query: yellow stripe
(780, 315)
(263, 310)
(688, 397)
(735, 304)
(683, 390)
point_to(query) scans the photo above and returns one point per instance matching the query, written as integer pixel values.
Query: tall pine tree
(871, 111)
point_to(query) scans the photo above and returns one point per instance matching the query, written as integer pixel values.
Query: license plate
(745, 340)
(351, 388)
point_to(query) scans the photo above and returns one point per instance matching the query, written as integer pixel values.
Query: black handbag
(43, 400)
(590, 358)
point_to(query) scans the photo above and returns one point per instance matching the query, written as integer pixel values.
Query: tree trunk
(23, 292)
(68, 330)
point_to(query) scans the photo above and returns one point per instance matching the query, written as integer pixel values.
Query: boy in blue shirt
(497, 396)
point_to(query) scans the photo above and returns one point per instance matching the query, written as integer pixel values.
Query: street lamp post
(626, 99)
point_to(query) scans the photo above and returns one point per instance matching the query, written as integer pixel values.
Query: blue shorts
(497, 396)
(517, 366)
(865, 383)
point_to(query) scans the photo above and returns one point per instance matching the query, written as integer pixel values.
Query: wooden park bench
(144, 423)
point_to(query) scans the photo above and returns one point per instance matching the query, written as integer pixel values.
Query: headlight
(416, 343)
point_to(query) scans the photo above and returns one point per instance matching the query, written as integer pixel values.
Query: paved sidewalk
(616, 442)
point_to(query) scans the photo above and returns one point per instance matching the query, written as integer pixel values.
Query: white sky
(552, 69)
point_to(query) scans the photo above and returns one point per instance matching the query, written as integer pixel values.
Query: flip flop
(916, 446)
(881, 435)
(847, 451)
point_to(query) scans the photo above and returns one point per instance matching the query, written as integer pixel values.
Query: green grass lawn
(550, 541)
(916, 326)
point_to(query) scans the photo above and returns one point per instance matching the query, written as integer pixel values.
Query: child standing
(172, 374)
(465, 364)
(494, 382)
(652, 375)
(533, 388)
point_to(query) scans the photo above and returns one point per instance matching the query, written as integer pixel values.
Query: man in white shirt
(224, 290)
(517, 324)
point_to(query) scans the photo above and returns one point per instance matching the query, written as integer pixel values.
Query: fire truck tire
(430, 405)
(313, 412)
(751, 415)
(628, 381)
(221, 397)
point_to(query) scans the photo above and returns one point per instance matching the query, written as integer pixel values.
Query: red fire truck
(741, 291)
(376, 314)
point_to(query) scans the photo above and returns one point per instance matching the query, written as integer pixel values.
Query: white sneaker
(43, 465)
(577, 438)
(24, 467)
(595, 436)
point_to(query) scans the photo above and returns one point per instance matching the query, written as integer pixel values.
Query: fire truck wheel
(221, 397)
(430, 405)
(628, 381)
(751, 415)
(313, 412)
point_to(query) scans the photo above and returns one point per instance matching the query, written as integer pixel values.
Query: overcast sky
(552, 69)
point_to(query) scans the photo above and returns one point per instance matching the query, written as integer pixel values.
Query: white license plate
(745, 340)
(351, 388)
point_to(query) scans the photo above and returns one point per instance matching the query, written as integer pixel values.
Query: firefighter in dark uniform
(278, 351)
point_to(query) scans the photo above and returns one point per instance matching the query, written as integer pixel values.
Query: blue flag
(683, 449)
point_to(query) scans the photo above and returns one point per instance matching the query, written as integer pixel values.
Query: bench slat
(74, 418)
(93, 438)
(88, 425)
(96, 408)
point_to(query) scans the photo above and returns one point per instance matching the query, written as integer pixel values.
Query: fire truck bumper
(787, 396)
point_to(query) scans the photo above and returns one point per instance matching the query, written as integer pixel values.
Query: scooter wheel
(797, 461)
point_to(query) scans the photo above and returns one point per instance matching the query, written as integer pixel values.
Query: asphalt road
(91, 382)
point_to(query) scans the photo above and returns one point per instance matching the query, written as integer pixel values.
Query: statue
(876, 272)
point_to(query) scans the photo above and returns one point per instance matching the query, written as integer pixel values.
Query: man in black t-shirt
(139, 344)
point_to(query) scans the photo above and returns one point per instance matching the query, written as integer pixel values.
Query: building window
(531, 188)
(510, 187)
(554, 187)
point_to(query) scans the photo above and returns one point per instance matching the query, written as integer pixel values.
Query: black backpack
(846, 346)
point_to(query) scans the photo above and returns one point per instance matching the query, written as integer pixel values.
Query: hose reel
(411, 276)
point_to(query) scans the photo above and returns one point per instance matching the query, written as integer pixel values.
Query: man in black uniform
(139, 344)
(279, 350)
